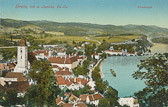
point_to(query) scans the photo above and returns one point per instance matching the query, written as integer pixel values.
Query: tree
(89, 50)
(104, 103)
(44, 90)
(112, 96)
(84, 90)
(86, 63)
(80, 70)
(100, 84)
(154, 70)
(104, 55)
(9, 98)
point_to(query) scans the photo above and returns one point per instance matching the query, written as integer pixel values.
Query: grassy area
(115, 39)
(69, 39)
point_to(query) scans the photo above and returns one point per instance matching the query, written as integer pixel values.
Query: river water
(124, 67)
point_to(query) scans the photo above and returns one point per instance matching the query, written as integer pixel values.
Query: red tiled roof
(60, 80)
(55, 66)
(11, 65)
(81, 105)
(97, 96)
(68, 83)
(95, 53)
(19, 76)
(45, 52)
(63, 73)
(60, 60)
(20, 86)
(67, 105)
(2, 66)
(73, 97)
(79, 80)
(59, 101)
(83, 97)
(91, 98)
(131, 53)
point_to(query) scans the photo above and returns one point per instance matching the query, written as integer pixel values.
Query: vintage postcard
(84, 53)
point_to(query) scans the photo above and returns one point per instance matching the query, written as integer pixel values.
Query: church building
(22, 57)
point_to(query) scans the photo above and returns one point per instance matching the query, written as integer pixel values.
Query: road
(8, 47)
(93, 40)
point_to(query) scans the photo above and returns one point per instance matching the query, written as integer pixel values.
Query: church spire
(22, 41)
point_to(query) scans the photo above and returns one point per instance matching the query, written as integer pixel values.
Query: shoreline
(159, 48)
(100, 67)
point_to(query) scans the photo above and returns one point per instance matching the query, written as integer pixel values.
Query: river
(124, 67)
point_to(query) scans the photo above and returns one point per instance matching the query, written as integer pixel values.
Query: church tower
(22, 57)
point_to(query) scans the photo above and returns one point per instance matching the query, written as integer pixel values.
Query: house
(81, 105)
(81, 59)
(42, 54)
(132, 54)
(83, 97)
(67, 61)
(14, 80)
(64, 72)
(11, 66)
(71, 83)
(73, 99)
(61, 54)
(129, 101)
(60, 101)
(92, 84)
(94, 99)
(68, 105)
(113, 52)
(96, 56)
(3, 67)
(61, 82)
(18, 75)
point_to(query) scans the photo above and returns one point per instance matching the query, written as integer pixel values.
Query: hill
(84, 29)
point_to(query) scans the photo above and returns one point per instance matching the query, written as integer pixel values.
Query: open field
(159, 48)
(69, 39)
(115, 39)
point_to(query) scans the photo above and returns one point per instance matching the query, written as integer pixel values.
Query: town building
(22, 57)
(113, 52)
(129, 101)
(66, 61)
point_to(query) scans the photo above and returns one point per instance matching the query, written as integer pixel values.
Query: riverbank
(159, 48)
(100, 67)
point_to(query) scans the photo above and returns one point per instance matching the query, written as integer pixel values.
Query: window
(21, 51)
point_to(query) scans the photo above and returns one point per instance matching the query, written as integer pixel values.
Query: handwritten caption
(38, 6)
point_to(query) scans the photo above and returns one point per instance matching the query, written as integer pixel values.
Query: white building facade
(22, 57)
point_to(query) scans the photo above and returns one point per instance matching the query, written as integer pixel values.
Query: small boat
(112, 72)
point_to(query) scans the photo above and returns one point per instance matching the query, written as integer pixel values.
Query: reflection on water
(124, 68)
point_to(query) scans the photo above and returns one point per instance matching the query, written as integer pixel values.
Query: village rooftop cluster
(62, 65)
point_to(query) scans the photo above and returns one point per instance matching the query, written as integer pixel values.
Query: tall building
(22, 57)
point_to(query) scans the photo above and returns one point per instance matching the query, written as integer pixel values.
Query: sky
(114, 12)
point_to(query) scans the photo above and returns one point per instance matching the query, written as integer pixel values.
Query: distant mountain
(83, 29)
